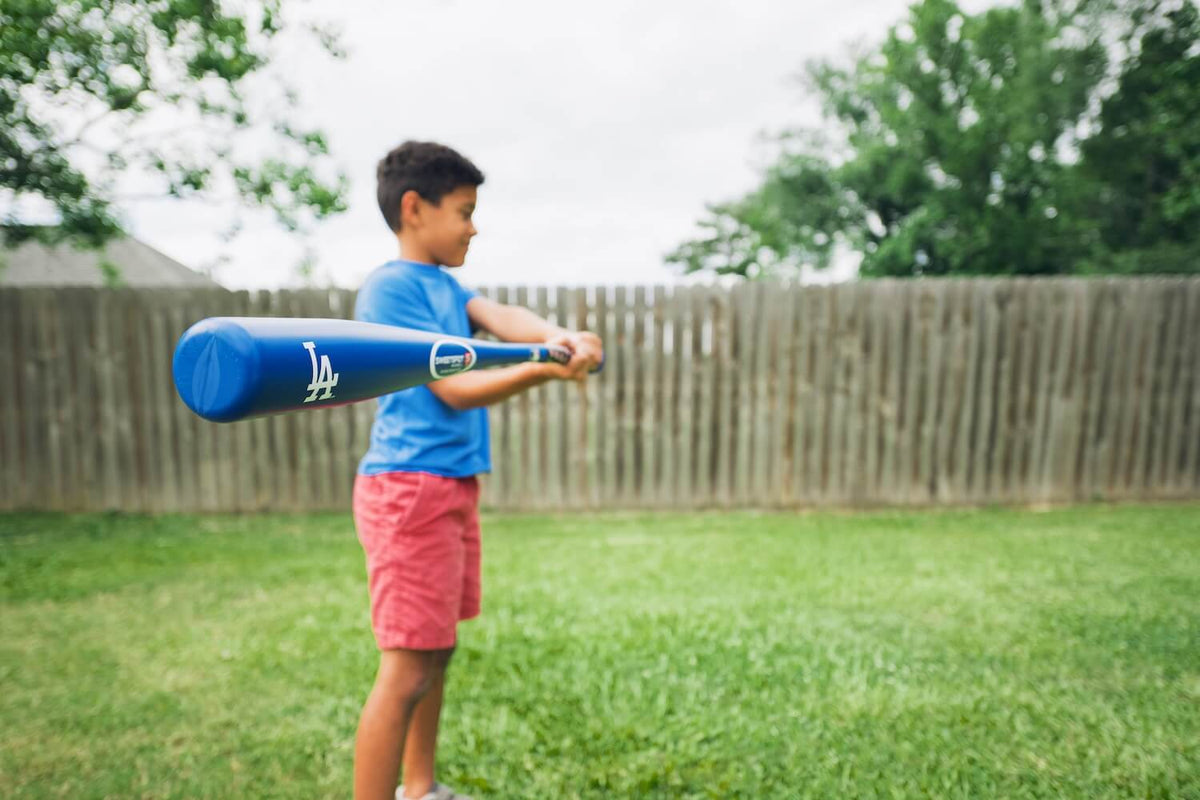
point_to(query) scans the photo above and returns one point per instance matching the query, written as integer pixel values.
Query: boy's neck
(412, 250)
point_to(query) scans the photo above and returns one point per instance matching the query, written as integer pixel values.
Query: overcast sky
(602, 128)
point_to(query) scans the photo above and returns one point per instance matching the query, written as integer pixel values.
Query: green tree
(954, 149)
(1142, 166)
(85, 88)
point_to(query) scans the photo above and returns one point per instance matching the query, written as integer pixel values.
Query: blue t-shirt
(414, 431)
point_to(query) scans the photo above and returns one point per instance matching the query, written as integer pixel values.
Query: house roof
(35, 264)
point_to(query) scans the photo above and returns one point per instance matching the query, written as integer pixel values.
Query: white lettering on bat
(323, 377)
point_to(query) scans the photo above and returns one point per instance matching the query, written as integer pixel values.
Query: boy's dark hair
(431, 169)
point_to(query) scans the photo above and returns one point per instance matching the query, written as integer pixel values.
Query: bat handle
(556, 352)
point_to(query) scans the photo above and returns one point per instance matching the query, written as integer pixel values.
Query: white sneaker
(438, 792)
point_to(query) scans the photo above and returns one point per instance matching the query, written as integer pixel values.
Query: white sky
(602, 128)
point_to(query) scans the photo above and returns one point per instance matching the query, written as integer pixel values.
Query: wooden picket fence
(979, 391)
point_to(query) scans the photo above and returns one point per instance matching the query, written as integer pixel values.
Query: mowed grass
(956, 654)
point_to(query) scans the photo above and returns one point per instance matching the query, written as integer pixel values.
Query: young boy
(416, 496)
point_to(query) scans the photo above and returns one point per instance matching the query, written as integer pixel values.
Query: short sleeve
(396, 302)
(465, 294)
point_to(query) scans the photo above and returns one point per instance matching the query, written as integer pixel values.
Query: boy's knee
(408, 678)
(412, 687)
(410, 674)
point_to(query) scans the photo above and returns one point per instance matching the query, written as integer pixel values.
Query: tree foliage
(1141, 168)
(101, 100)
(986, 144)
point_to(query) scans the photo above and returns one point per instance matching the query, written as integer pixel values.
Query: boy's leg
(423, 577)
(404, 677)
(420, 745)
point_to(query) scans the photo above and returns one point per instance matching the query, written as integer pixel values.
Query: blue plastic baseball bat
(231, 368)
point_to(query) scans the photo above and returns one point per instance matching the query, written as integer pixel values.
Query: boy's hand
(586, 353)
(587, 345)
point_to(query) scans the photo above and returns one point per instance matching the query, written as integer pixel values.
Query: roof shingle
(35, 264)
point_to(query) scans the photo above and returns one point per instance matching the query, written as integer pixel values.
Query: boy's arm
(510, 323)
(478, 389)
(517, 324)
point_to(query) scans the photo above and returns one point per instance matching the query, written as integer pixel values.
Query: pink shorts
(420, 533)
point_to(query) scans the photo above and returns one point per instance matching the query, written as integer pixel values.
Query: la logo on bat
(323, 378)
(450, 357)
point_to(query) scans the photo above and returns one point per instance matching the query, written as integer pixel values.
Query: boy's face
(445, 230)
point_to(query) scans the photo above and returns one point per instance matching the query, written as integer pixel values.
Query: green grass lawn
(948, 654)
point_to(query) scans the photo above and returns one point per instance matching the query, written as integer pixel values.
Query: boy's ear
(410, 207)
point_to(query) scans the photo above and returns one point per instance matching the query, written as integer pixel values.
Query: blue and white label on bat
(323, 377)
(450, 357)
